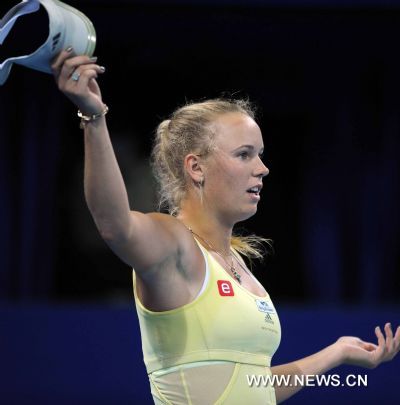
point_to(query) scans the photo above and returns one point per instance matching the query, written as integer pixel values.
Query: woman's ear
(193, 168)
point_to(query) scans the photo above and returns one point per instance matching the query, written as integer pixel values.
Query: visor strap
(85, 119)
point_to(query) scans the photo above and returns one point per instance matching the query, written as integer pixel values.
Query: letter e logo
(225, 288)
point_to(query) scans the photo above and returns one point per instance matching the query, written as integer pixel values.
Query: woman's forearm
(105, 190)
(318, 363)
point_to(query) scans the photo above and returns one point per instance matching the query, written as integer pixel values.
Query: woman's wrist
(90, 118)
(338, 354)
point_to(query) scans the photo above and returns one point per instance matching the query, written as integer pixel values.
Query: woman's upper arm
(151, 239)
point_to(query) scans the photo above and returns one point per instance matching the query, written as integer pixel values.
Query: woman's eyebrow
(250, 147)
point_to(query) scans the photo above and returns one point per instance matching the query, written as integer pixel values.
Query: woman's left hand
(359, 353)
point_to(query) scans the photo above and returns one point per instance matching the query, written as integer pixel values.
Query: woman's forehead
(235, 129)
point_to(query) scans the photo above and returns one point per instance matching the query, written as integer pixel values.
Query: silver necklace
(230, 266)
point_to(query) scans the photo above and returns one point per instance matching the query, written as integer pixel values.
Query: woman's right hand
(366, 354)
(84, 91)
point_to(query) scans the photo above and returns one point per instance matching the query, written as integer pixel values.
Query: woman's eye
(243, 155)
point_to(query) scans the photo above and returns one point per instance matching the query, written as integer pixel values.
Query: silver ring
(75, 76)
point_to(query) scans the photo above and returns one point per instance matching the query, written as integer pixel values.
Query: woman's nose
(261, 169)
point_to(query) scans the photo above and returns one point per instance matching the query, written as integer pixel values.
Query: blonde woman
(206, 322)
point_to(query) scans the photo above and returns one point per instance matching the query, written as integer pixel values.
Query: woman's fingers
(379, 335)
(85, 77)
(83, 73)
(388, 346)
(370, 355)
(59, 60)
(381, 349)
(74, 66)
(397, 340)
(75, 77)
(82, 80)
(66, 64)
(83, 70)
(389, 337)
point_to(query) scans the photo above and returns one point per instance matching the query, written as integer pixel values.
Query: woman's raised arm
(126, 232)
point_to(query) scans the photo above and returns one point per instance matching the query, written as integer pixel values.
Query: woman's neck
(210, 229)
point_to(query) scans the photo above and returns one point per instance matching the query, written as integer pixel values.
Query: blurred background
(325, 77)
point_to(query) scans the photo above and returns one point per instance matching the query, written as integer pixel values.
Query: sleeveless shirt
(225, 322)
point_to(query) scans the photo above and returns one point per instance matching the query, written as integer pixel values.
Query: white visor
(67, 27)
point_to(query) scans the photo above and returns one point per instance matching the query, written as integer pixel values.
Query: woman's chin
(248, 213)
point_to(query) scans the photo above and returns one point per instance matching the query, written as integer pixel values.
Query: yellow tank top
(225, 322)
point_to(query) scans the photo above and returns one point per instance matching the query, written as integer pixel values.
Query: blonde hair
(188, 131)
